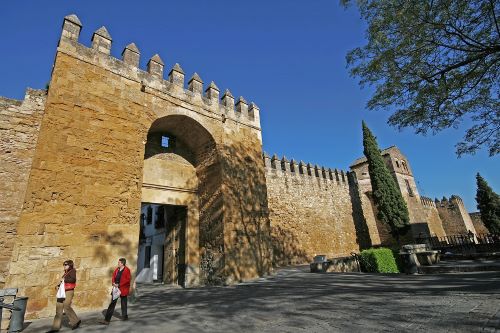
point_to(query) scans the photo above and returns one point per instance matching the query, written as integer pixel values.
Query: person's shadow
(115, 314)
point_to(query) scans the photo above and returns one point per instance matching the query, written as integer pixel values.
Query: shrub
(399, 259)
(379, 260)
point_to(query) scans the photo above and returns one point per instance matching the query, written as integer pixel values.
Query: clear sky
(287, 56)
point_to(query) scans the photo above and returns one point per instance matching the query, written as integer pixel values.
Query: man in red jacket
(121, 280)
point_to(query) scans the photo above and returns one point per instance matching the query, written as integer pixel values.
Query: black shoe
(125, 318)
(104, 322)
(76, 325)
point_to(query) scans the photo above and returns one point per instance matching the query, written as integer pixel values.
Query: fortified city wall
(86, 184)
(310, 209)
(19, 126)
(478, 223)
(429, 214)
(454, 216)
(78, 161)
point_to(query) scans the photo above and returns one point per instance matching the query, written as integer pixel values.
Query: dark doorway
(162, 244)
(174, 263)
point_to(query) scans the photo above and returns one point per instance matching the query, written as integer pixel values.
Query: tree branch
(464, 62)
(467, 37)
(494, 17)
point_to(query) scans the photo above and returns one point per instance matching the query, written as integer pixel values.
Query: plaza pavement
(294, 300)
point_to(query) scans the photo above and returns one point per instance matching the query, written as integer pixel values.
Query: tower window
(408, 187)
(405, 168)
(165, 141)
(149, 215)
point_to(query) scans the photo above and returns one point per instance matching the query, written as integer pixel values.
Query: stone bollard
(8, 307)
(410, 259)
(17, 318)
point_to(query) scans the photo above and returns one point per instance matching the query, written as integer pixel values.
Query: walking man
(120, 280)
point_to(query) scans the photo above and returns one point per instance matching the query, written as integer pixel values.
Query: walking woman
(120, 280)
(69, 280)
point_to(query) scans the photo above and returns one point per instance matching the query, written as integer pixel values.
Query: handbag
(116, 293)
(61, 292)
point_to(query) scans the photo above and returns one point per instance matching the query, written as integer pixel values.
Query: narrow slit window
(149, 215)
(147, 257)
(408, 187)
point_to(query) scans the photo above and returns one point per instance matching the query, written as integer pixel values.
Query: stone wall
(19, 126)
(311, 212)
(247, 242)
(429, 213)
(76, 165)
(454, 216)
(478, 223)
(85, 189)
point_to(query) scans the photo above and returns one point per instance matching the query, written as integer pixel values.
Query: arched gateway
(181, 176)
(116, 142)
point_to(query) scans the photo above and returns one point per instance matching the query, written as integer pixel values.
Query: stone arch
(186, 172)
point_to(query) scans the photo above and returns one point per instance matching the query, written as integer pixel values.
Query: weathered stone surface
(19, 126)
(478, 223)
(93, 160)
(456, 219)
(309, 215)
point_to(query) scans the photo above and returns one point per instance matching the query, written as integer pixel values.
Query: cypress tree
(488, 203)
(390, 204)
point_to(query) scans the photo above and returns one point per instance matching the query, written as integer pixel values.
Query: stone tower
(113, 136)
(424, 219)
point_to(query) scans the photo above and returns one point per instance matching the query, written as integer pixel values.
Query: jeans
(111, 308)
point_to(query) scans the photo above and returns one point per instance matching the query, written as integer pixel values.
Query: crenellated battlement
(454, 216)
(152, 78)
(453, 201)
(427, 202)
(293, 168)
(456, 200)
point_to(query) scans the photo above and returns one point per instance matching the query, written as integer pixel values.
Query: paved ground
(453, 266)
(294, 300)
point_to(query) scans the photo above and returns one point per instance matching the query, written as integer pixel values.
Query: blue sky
(287, 56)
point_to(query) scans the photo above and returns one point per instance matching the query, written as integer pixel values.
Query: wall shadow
(360, 225)
(285, 248)
(248, 249)
(122, 247)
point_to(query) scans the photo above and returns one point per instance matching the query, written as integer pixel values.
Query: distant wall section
(428, 213)
(478, 223)
(19, 128)
(311, 211)
(456, 219)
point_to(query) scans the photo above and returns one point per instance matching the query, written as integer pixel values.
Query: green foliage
(436, 63)
(391, 207)
(398, 259)
(488, 203)
(379, 260)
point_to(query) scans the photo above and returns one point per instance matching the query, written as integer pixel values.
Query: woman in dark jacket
(69, 280)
